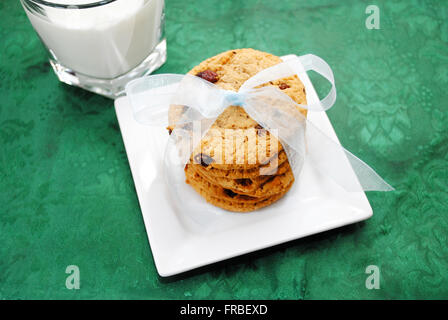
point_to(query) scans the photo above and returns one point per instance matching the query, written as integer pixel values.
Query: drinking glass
(100, 45)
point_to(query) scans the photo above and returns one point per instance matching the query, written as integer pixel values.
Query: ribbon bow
(152, 96)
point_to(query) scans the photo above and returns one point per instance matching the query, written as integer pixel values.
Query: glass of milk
(100, 45)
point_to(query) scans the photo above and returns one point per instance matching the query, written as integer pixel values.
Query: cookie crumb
(260, 130)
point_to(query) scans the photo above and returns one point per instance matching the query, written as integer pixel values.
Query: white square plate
(314, 204)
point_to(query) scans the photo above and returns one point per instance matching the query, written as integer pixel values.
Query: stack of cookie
(247, 179)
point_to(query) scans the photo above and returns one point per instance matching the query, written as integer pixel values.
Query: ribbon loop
(311, 62)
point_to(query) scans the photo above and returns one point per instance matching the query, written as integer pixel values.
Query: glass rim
(71, 6)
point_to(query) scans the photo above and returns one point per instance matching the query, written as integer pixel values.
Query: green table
(67, 195)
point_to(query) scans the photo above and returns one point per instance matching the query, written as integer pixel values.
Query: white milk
(101, 42)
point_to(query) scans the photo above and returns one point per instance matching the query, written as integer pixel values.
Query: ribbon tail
(330, 158)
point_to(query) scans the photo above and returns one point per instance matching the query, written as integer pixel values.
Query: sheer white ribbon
(152, 96)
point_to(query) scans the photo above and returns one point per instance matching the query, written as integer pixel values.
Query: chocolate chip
(203, 159)
(268, 180)
(283, 86)
(230, 193)
(208, 75)
(244, 182)
(246, 197)
(258, 126)
(170, 131)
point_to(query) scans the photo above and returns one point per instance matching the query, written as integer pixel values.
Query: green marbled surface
(67, 196)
